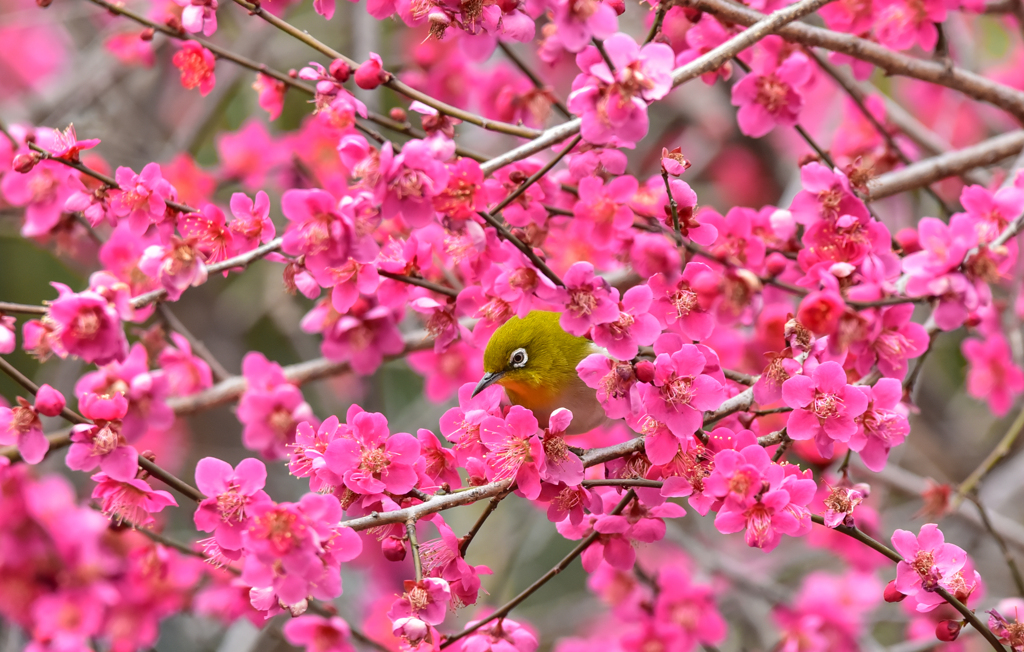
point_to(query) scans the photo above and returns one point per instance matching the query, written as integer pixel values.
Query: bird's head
(532, 358)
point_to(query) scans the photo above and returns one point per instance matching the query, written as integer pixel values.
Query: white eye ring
(518, 358)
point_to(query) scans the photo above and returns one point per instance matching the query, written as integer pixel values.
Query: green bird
(534, 360)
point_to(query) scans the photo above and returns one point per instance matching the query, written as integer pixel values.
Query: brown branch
(1001, 450)
(968, 83)
(1011, 561)
(23, 308)
(414, 543)
(491, 506)
(526, 249)
(535, 177)
(916, 175)
(421, 282)
(393, 82)
(505, 609)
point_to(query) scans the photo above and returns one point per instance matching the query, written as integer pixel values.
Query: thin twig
(536, 176)
(538, 83)
(505, 609)
(1011, 561)
(414, 543)
(220, 373)
(491, 506)
(23, 308)
(420, 282)
(526, 249)
(998, 453)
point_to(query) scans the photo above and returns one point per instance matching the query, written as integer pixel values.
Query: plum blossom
(502, 635)
(130, 501)
(198, 16)
(992, 374)
(270, 408)
(895, 340)
(681, 391)
(577, 22)
(101, 443)
(230, 493)
(900, 24)
(177, 265)
(779, 508)
(426, 600)
(88, 325)
(634, 328)
(196, 64)
(140, 198)
(770, 94)
(516, 451)
(319, 633)
(67, 146)
(613, 107)
(677, 303)
(824, 407)
(8, 341)
(615, 382)
(602, 212)
(882, 425)
(20, 425)
(409, 182)
(928, 563)
(370, 459)
(588, 298)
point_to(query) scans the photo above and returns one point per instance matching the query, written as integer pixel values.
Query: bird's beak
(485, 382)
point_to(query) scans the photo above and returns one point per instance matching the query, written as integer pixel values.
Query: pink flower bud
(618, 5)
(340, 70)
(399, 114)
(891, 594)
(948, 630)
(147, 34)
(24, 163)
(393, 548)
(49, 401)
(371, 73)
(775, 263)
(645, 371)
(908, 240)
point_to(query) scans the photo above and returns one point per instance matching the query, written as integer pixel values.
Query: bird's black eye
(518, 358)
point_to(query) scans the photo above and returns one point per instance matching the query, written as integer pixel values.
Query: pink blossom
(770, 94)
(248, 154)
(781, 367)
(130, 501)
(270, 408)
(991, 373)
(826, 195)
(688, 608)
(943, 247)
(824, 407)
(1008, 633)
(186, 373)
(896, 340)
(370, 74)
(702, 37)
(588, 300)
(196, 64)
(778, 510)
(317, 227)
(319, 633)
(736, 241)
(928, 563)
(8, 341)
(615, 382)
(67, 146)
(207, 231)
(561, 465)
(739, 475)
(447, 371)
(634, 328)
(602, 212)
(230, 492)
(270, 95)
(681, 391)
(578, 22)
(439, 462)
(613, 107)
(831, 612)
(841, 502)
(900, 25)
(141, 198)
(994, 210)
(20, 426)
(882, 426)
(177, 265)
(88, 326)
(42, 191)
(516, 451)
(426, 600)
(296, 548)
(369, 459)
(652, 253)
(850, 16)
(463, 195)
(362, 337)
(146, 392)
(409, 182)
(502, 635)
(461, 425)
(101, 442)
(677, 304)
(198, 16)
(306, 459)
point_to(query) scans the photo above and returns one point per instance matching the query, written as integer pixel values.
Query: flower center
(231, 506)
(826, 406)
(684, 300)
(194, 70)
(772, 93)
(678, 391)
(555, 448)
(278, 528)
(105, 440)
(281, 420)
(24, 418)
(619, 329)
(410, 183)
(374, 460)
(418, 598)
(87, 324)
(582, 302)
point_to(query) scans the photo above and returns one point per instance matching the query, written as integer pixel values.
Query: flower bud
(948, 630)
(371, 73)
(340, 70)
(618, 5)
(393, 548)
(49, 401)
(775, 264)
(891, 594)
(673, 162)
(147, 34)
(25, 162)
(645, 371)
(908, 240)
(44, 3)
(399, 114)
